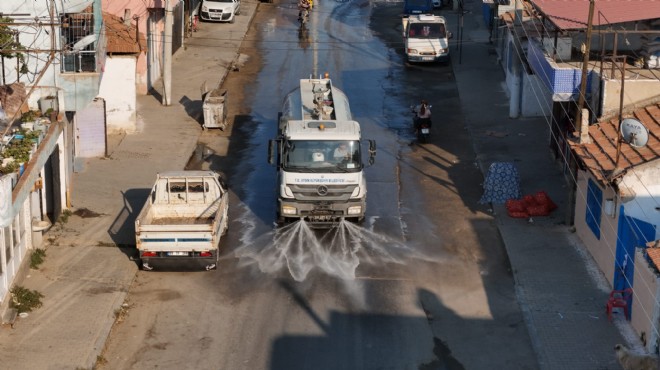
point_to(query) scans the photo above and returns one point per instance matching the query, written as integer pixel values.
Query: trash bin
(215, 114)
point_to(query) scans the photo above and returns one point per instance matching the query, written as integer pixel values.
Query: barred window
(78, 42)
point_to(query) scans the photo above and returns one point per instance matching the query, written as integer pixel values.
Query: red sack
(514, 205)
(538, 210)
(542, 197)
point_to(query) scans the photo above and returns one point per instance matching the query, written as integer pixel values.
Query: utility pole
(582, 132)
(618, 131)
(167, 51)
(583, 136)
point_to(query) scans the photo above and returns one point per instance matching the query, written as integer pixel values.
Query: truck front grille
(325, 192)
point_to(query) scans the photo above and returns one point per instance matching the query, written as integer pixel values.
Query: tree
(9, 46)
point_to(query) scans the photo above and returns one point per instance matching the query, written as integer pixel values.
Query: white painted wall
(119, 92)
(640, 193)
(602, 250)
(645, 308)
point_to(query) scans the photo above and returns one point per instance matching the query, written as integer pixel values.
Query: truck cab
(426, 38)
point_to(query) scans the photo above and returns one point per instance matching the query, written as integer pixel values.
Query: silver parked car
(220, 10)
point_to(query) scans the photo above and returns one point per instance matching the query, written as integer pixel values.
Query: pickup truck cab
(426, 38)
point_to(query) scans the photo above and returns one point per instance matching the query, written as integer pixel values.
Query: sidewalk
(561, 291)
(88, 270)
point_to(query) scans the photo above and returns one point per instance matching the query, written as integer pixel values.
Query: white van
(426, 38)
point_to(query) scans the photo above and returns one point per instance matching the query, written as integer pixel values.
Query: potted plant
(8, 167)
(19, 149)
(48, 102)
(30, 116)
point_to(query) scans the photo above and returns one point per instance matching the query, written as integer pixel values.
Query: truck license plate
(177, 253)
(427, 58)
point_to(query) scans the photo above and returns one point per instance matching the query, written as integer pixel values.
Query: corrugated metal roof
(599, 157)
(121, 38)
(574, 14)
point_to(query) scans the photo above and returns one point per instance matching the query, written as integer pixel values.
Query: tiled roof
(599, 157)
(122, 38)
(654, 256)
(574, 14)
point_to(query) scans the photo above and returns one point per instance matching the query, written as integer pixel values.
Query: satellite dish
(634, 132)
(84, 42)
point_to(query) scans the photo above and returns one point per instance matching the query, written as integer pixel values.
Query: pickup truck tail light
(205, 254)
(148, 254)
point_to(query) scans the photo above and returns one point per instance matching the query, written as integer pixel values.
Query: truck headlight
(354, 210)
(288, 210)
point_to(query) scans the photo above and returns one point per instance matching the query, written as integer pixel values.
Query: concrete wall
(636, 93)
(79, 89)
(624, 41)
(14, 245)
(603, 250)
(645, 310)
(536, 98)
(118, 90)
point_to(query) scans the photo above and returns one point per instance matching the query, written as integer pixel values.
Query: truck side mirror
(372, 151)
(449, 35)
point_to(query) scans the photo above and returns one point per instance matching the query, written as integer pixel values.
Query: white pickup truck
(183, 219)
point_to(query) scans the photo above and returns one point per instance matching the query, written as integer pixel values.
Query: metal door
(631, 233)
(90, 130)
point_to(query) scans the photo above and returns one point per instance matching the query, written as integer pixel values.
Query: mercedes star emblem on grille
(322, 190)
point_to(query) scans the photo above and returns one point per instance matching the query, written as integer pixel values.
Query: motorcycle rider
(423, 113)
(303, 8)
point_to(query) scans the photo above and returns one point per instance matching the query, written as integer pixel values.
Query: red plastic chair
(619, 299)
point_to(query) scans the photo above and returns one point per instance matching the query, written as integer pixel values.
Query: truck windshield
(322, 156)
(427, 31)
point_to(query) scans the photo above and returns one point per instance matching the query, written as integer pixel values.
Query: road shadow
(193, 108)
(363, 340)
(122, 228)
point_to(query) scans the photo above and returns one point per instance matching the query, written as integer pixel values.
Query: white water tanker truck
(319, 158)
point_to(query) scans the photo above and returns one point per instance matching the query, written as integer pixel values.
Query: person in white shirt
(341, 153)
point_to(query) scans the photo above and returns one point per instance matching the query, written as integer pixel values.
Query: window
(78, 42)
(594, 207)
(8, 244)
